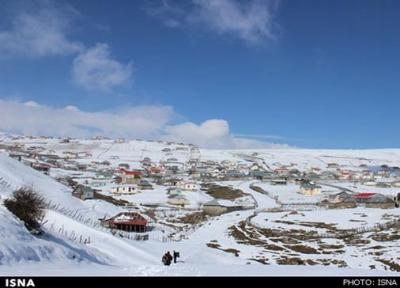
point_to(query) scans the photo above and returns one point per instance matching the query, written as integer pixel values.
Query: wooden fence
(361, 230)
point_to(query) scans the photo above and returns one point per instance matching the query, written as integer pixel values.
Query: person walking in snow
(176, 256)
(167, 258)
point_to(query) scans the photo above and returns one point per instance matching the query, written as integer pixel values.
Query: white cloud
(251, 21)
(139, 121)
(95, 69)
(214, 133)
(40, 32)
(148, 122)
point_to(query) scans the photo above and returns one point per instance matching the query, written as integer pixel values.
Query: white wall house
(188, 186)
(310, 189)
(124, 189)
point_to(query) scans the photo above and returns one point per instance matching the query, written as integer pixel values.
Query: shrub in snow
(28, 206)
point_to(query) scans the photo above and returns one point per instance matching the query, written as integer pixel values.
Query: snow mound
(18, 246)
(14, 175)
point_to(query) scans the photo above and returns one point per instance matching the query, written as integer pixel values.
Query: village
(165, 191)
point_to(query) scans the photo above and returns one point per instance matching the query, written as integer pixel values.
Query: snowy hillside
(251, 239)
(18, 246)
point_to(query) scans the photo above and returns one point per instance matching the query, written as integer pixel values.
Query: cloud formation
(43, 28)
(96, 69)
(148, 122)
(31, 118)
(251, 21)
(213, 133)
(42, 31)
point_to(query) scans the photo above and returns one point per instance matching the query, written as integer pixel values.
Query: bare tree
(28, 206)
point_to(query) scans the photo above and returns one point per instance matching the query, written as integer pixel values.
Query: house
(83, 192)
(42, 167)
(345, 175)
(234, 174)
(105, 174)
(124, 189)
(281, 171)
(188, 185)
(81, 166)
(106, 163)
(173, 192)
(123, 166)
(380, 201)
(340, 200)
(256, 167)
(130, 176)
(310, 189)
(316, 170)
(339, 197)
(370, 183)
(374, 200)
(144, 185)
(280, 181)
(328, 175)
(332, 165)
(98, 183)
(311, 176)
(178, 200)
(16, 156)
(294, 173)
(396, 184)
(170, 181)
(383, 185)
(367, 175)
(146, 161)
(300, 180)
(127, 221)
(214, 208)
(261, 175)
(153, 170)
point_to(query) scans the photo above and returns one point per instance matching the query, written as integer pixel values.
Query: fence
(4, 183)
(70, 235)
(298, 206)
(75, 215)
(361, 230)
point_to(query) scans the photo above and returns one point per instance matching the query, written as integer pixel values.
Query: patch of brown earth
(392, 265)
(303, 249)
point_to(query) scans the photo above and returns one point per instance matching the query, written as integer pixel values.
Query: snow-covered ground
(60, 252)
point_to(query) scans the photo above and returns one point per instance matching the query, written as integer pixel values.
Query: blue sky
(217, 73)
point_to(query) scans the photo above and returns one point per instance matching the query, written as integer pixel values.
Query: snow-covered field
(208, 248)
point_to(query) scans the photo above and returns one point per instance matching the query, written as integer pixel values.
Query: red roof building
(364, 195)
(130, 176)
(127, 221)
(130, 172)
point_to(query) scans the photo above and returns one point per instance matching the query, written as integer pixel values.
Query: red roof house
(130, 176)
(364, 195)
(127, 221)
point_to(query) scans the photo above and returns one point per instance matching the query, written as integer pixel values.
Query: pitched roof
(212, 203)
(364, 195)
(131, 172)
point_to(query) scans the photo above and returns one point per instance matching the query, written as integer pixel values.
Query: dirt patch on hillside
(284, 260)
(392, 265)
(228, 250)
(382, 237)
(193, 218)
(223, 192)
(117, 202)
(303, 249)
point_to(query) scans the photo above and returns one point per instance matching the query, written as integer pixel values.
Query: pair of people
(167, 258)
